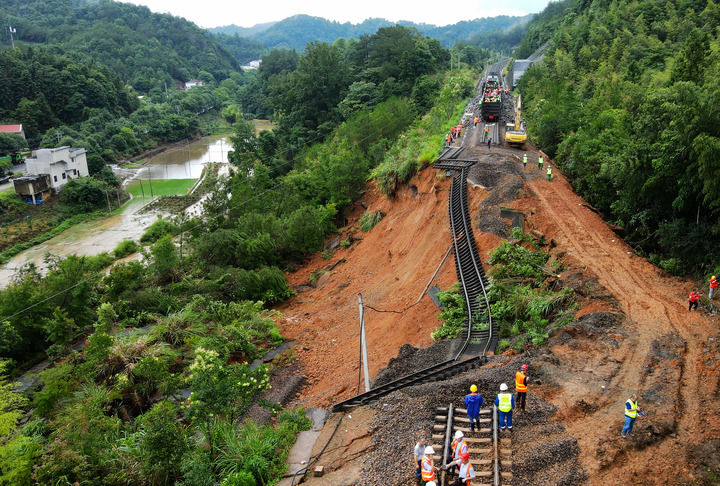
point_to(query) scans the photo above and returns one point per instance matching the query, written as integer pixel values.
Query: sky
(214, 13)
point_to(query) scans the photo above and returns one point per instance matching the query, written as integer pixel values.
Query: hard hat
(713, 277)
(524, 367)
(430, 483)
(473, 388)
(429, 450)
(465, 456)
(458, 434)
(503, 387)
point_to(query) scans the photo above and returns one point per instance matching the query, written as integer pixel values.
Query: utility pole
(108, 200)
(363, 344)
(12, 40)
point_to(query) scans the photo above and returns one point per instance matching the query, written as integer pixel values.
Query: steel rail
(496, 451)
(466, 253)
(478, 266)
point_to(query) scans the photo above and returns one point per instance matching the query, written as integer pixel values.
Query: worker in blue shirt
(473, 402)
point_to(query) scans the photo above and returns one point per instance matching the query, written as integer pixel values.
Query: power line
(199, 224)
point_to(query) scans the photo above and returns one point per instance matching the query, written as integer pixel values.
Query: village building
(48, 170)
(13, 130)
(194, 82)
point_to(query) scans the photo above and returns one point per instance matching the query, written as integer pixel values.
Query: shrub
(453, 315)
(242, 478)
(125, 248)
(370, 219)
(158, 229)
(84, 194)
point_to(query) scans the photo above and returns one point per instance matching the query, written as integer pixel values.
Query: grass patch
(6, 255)
(424, 140)
(522, 306)
(132, 165)
(160, 187)
(370, 219)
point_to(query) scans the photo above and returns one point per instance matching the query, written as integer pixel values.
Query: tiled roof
(10, 128)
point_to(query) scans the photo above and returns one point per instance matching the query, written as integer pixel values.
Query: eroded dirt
(632, 331)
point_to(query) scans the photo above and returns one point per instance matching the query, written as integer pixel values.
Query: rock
(332, 244)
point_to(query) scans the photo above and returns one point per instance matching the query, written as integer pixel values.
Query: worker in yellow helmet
(473, 402)
(713, 286)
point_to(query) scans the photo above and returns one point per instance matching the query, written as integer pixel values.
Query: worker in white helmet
(427, 468)
(505, 403)
(458, 447)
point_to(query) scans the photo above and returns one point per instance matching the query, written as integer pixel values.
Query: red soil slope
(390, 267)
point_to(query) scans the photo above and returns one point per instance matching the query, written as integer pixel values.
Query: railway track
(490, 452)
(480, 335)
(480, 331)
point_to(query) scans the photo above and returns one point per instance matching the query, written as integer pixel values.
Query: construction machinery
(515, 133)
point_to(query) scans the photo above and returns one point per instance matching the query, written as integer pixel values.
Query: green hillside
(626, 100)
(295, 32)
(143, 48)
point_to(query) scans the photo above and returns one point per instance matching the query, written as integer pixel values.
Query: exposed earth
(632, 332)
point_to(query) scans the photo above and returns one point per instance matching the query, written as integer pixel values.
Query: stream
(179, 162)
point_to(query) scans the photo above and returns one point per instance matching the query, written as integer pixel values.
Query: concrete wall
(61, 164)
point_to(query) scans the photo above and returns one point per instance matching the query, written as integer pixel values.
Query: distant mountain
(145, 49)
(241, 31)
(294, 32)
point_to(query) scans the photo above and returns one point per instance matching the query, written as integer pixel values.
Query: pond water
(180, 162)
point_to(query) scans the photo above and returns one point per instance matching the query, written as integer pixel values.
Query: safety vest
(631, 413)
(467, 471)
(713, 283)
(524, 159)
(426, 469)
(459, 448)
(520, 385)
(505, 402)
(693, 297)
(540, 160)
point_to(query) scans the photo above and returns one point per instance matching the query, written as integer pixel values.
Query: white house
(61, 164)
(194, 82)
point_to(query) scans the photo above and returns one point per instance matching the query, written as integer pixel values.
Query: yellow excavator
(515, 132)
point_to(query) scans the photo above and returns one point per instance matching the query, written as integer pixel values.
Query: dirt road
(655, 305)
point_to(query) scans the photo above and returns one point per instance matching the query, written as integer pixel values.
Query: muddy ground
(632, 333)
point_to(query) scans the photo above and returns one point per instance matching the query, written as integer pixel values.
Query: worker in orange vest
(475, 122)
(693, 299)
(453, 132)
(713, 286)
(427, 468)
(521, 382)
(448, 139)
(459, 447)
(459, 129)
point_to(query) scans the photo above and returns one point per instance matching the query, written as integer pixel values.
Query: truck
(491, 103)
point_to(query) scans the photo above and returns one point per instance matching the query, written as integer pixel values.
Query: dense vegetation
(144, 49)
(626, 100)
(524, 306)
(297, 31)
(157, 394)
